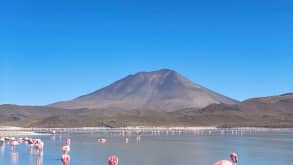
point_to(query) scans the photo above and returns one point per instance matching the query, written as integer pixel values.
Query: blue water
(189, 148)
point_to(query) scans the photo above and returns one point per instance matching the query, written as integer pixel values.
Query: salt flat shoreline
(19, 131)
(138, 128)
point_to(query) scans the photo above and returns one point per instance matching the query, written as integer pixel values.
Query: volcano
(162, 90)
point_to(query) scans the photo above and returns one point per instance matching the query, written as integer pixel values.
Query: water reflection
(30, 149)
(138, 139)
(2, 149)
(126, 140)
(53, 138)
(39, 159)
(14, 157)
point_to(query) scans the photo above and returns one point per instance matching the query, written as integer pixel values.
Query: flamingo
(12, 138)
(102, 140)
(232, 161)
(30, 141)
(113, 160)
(13, 144)
(65, 158)
(65, 149)
(20, 140)
(39, 145)
(2, 139)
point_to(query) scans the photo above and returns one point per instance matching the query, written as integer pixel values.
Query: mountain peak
(164, 71)
(157, 72)
(164, 90)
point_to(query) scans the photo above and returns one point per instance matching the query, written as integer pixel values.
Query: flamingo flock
(38, 144)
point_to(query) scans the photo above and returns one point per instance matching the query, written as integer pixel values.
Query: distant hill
(281, 103)
(162, 90)
(273, 111)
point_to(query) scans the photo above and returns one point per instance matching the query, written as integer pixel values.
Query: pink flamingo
(39, 145)
(113, 160)
(13, 144)
(65, 158)
(2, 139)
(20, 140)
(102, 140)
(232, 161)
(65, 149)
(10, 139)
(30, 141)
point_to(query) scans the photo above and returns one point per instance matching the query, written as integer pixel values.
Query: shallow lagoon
(203, 147)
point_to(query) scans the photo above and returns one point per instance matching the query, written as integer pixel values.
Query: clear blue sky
(59, 49)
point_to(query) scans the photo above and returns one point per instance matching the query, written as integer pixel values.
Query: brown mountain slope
(163, 90)
(281, 103)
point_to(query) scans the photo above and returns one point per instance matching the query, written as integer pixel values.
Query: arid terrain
(159, 98)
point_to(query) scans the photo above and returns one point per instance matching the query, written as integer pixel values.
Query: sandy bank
(17, 133)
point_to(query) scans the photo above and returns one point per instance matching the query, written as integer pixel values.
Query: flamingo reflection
(14, 157)
(39, 160)
(2, 149)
